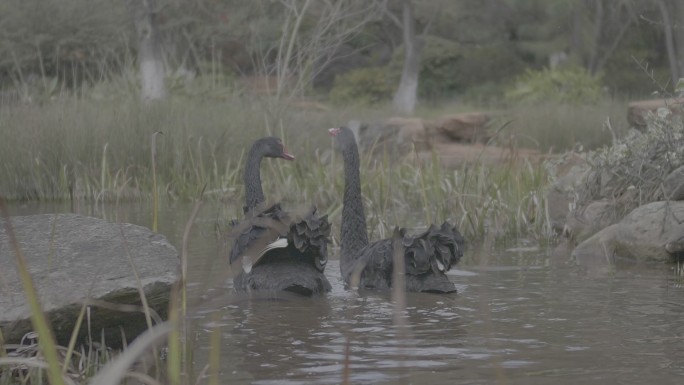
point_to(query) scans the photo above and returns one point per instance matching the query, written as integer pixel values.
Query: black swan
(274, 251)
(427, 255)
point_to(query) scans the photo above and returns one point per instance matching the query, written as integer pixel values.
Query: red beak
(334, 131)
(286, 155)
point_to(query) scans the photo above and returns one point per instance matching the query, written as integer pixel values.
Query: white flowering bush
(638, 163)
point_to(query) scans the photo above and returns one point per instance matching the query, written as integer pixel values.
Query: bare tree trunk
(576, 41)
(407, 94)
(678, 13)
(149, 51)
(611, 48)
(290, 37)
(596, 39)
(669, 41)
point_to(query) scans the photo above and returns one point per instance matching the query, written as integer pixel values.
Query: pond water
(519, 318)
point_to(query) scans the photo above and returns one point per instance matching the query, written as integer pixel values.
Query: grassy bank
(96, 149)
(100, 149)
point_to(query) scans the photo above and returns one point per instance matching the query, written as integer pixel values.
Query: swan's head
(344, 136)
(273, 147)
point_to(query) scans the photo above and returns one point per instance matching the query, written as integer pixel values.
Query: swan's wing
(310, 235)
(448, 244)
(376, 263)
(418, 253)
(429, 255)
(257, 234)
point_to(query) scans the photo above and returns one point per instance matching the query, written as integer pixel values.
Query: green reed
(99, 149)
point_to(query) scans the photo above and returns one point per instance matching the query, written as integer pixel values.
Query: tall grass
(84, 148)
(99, 149)
(557, 128)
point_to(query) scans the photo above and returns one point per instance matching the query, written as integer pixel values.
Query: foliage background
(473, 50)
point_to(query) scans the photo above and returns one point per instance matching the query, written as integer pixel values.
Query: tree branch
(392, 17)
(618, 38)
(430, 22)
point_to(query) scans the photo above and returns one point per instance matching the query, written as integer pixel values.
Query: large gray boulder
(673, 185)
(637, 111)
(642, 235)
(72, 259)
(597, 215)
(394, 136)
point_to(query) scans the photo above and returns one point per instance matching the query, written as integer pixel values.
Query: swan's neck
(354, 236)
(253, 192)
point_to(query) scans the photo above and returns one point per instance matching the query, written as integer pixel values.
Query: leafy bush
(639, 163)
(556, 127)
(438, 67)
(490, 63)
(571, 85)
(363, 86)
(75, 39)
(81, 42)
(448, 68)
(439, 73)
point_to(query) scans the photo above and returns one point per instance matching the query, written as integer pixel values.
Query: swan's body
(274, 251)
(427, 256)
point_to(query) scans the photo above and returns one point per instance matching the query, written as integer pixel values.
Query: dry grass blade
(29, 363)
(141, 289)
(178, 306)
(215, 351)
(347, 362)
(155, 197)
(38, 320)
(72, 340)
(174, 360)
(398, 282)
(143, 378)
(116, 369)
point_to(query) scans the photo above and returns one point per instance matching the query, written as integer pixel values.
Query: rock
(557, 208)
(675, 243)
(395, 134)
(470, 127)
(673, 185)
(398, 137)
(637, 111)
(569, 172)
(72, 258)
(598, 251)
(597, 215)
(642, 235)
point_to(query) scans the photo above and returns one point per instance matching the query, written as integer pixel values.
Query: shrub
(449, 68)
(363, 86)
(638, 162)
(438, 67)
(571, 85)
